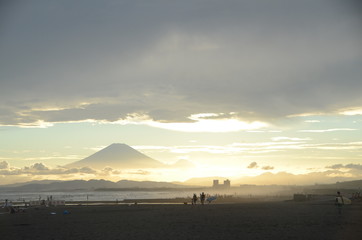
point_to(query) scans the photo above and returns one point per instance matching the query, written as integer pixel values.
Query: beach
(262, 220)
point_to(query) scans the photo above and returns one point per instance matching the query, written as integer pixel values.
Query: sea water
(93, 195)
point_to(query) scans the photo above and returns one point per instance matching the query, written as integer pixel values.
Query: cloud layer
(168, 60)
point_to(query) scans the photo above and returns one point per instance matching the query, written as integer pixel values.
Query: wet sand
(268, 220)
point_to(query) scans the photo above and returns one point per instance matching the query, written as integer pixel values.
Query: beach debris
(53, 213)
(65, 212)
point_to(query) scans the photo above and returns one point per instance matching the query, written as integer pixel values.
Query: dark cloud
(351, 166)
(170, 59)
(267, 168)
(253, 165)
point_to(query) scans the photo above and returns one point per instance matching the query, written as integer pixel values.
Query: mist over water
(70, 196)
(93, 196)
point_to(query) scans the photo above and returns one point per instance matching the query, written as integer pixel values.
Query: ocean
(93, 195)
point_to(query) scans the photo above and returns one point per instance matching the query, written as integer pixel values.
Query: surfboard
(343, 200)
(346, 201)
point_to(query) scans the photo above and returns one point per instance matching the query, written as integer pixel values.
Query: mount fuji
(118, 156)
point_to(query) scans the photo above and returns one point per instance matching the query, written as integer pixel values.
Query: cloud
(329, 130)
(199, 123)
(351, 169)
(253, 165)
(350, 166)
(110, 171)
(283, 178)
(290, 139)
(351, 111)
(4, 165)
(278, 144)
(267, 168)
(180, 58)
(41, 169)
(139, 172)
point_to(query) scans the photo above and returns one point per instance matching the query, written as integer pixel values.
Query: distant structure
(217, 185)
(227, 183)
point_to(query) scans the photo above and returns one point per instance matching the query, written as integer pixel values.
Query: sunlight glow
(202, 123)
(37, 124)
(352, 111)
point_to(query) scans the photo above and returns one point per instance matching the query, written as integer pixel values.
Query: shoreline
(221, 199)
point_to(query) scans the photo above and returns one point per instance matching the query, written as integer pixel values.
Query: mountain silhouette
(117, 156)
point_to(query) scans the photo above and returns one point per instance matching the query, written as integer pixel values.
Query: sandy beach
(264, 220)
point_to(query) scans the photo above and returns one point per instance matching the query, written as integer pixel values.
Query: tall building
(215, 184)
(227, 183)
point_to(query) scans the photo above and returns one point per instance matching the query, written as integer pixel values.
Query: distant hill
(31, 182)
(182, 164)
(91, 185)
(204, 181)
(62, 186)
(357, 185)
(281, 179)
(88, 185)
(146, 184)
(284, 178)
(118, 156)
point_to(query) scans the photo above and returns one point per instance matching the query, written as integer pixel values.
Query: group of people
(356, 195)
(8, 206)
(195, 198)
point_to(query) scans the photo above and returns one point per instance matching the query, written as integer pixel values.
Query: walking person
(194, 199)
(202, 198)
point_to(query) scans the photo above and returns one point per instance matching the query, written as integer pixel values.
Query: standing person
(202, 198)
(339, 202)
(194, 199)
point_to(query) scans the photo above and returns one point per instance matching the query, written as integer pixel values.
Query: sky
(237, 88)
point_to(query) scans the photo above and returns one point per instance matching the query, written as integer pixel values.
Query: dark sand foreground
(268, 220)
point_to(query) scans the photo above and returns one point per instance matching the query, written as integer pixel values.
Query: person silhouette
(339, 202)
(202, 198)
(194, 199)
